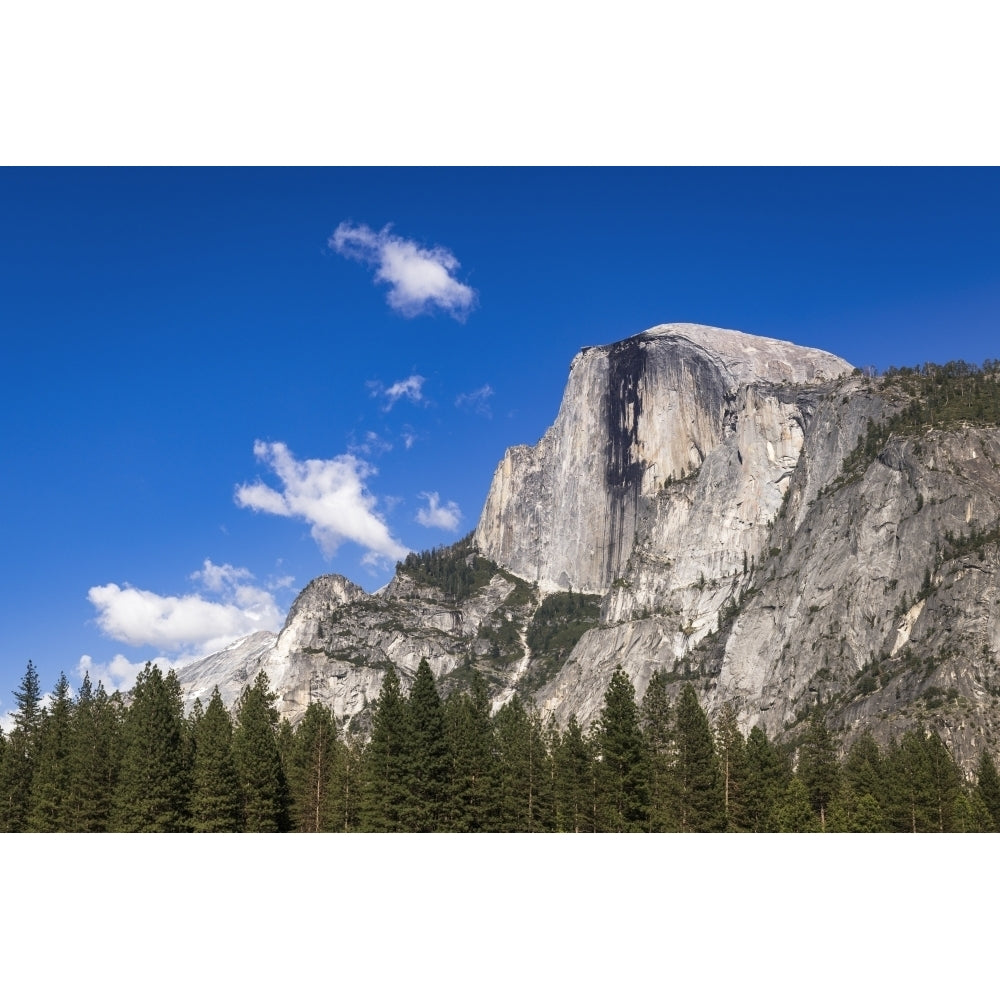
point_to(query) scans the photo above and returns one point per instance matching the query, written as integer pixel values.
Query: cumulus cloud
(436, 516)
(119, 673)
(477, 401)
(411, 388)
(420, 278)
(184, 628)
(191, 623)
(329, 495)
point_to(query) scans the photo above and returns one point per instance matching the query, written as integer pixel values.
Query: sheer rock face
(694, 479)
(636, 418)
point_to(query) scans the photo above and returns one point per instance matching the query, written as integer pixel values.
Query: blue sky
(221, 383)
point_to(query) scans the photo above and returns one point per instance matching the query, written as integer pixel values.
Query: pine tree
(263, 787)
(50, 808)
(818, 768)
(473, 793)
(624, 765)
(657, 726)
(767, 777)
(428, 758)
(95, 756)
(574, 780)
(21, 754)
(794, 812)
(527, 803)
(215, 793)
(909, 795)
(732, 764)
(697, 783)
(312, 766)
(988, 785)
(155, 776)
(384, 792)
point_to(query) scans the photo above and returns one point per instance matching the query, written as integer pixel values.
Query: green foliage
(20, 754)
(731, 748)
(555, 628)
(657, 726)
(384, 793)
(215, 791)
(767, 777)
(457, 570)
(526, 793)
(575, 784)
(623, 770)
(697, 783)
(263, 785)
(818, 768)
(988, 785)
(939, 396)
(50, 806)
(473, 791)
(427, 758)
(155, 778)
(313, 761)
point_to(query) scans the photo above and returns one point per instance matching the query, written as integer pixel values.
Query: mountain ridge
(700, 483)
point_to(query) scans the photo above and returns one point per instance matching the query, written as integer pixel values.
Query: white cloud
(411, 388)
(190, 624)
(420, 278)
(119, 673)
(409, 439)
(329, 495)
(436, 516)
(182, 628)
(477, 401)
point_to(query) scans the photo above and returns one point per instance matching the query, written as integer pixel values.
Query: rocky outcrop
(636, 417)
(707, 485)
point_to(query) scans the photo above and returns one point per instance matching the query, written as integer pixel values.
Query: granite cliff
(743, 513)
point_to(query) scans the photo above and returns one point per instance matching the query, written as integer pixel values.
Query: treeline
(100, 762)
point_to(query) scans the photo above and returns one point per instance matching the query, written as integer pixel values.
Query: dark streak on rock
(623, 472)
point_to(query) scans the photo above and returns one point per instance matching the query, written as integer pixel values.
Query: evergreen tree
(263, 787)
(348, 781)
(154, 782)
(623, 761)
(909, 794)
(50, 808)
(988, 785)
(574, 780)
(312, 766)
(95, 756)
(767, 777)
(526, 798)
(794, 813)
(382, 804)
(20, 755)
(427, 762)
(946, 783)
(657, 726)
(697, 783)
(732, 764)
(818, 768)
(215, 794)
(473, 793)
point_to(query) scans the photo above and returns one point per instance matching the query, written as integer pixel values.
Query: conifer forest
(97, 762)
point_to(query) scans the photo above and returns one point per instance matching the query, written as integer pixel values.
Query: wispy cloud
(420, 278)
(436, 516)
(477, 401)
(329, 495)
(411, 388)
